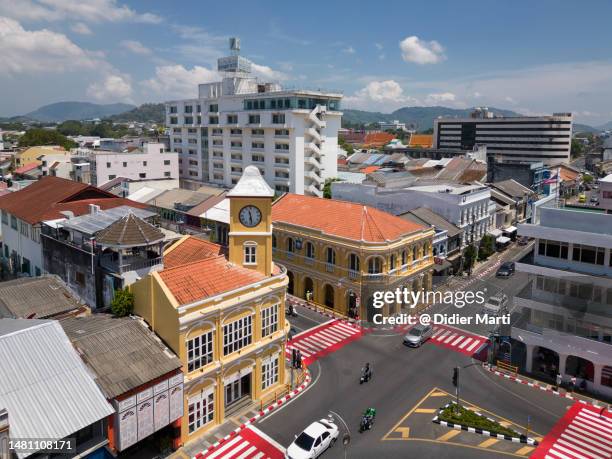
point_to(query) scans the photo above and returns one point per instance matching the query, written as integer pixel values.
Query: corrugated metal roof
(45, 386)
(92, 223)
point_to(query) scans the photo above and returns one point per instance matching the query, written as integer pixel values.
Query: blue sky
(533, 57)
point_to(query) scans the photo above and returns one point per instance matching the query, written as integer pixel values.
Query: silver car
(418, 335)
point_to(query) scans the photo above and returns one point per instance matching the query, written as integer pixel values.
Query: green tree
(70, 127)
(577, 148)
(469, 257)
(123, 303)
(487, 247)
(586, 178)
(327, 187)
(37, 136)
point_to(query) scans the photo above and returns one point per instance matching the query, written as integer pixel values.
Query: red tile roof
(26, 168)
(204, 278)
(369, 169)
(191, 249)
(340, 218)
(46, 198)
(421, 140)
(378, 139)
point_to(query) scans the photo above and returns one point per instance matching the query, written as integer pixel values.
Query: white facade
(605, 193)
(571, 239)
(21, 247)
(151, 161)
(56, 165)
(535, 138)
(290, 135)
(466, 206)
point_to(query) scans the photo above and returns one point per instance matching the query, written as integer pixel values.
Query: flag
(552, 179)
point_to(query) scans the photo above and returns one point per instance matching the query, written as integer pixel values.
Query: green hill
(145, 113)
(62, 111)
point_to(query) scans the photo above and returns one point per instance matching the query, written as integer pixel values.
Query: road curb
(544, 388)
(291, 395)
(486, 433)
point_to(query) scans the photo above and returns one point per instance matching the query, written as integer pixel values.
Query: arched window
(330, 256)
(353, 262)
(310, 250)
(414, 253)
(250, 253)
(375, 265)
(290, 245)
(392, 262)
(404, 257)
(273, 241)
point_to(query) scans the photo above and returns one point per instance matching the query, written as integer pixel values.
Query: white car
(314, 440)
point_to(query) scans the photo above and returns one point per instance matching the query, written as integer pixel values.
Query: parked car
(314, 440)
(497, 305)
(582, 198)
(506, 269)
(594, 198)
(418, 335)
(522, 240)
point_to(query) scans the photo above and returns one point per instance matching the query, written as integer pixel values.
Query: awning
(502, 240)
(495, 232)
(442, 266)
(510, 229)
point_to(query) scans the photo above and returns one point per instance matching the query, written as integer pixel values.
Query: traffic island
(460, 418)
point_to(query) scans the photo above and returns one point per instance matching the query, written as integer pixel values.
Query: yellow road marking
(487, 443)
(439, 394)
(425, 410)
(405, 431)
(505, 423)
(409, 413)
(448, 435)
(524, 450)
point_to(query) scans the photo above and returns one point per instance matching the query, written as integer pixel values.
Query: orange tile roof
(190, 249)
(369, 169)
(567, 174)
(378, 139)
(46, 198)
(421, 140)
(205, 278)
(340, 218)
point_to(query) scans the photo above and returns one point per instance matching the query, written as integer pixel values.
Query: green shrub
(123, 303)
(463, 416)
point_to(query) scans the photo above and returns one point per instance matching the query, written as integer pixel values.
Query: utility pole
(456, 384)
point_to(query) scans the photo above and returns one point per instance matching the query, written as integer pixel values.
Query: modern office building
(571, 239)
(522, 138)
(290, 135)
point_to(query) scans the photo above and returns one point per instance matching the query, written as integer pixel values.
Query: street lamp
(346, 438)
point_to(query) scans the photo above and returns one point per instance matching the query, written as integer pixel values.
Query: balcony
(329, 267)
(130, 263)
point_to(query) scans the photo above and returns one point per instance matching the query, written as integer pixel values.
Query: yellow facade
(358, 270)
(239, 334)
(31, 155)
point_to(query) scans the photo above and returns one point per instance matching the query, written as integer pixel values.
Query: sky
(533, 57)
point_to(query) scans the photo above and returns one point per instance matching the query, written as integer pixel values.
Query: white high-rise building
(290, 135)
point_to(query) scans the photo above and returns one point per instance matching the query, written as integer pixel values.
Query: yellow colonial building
(222, 311)
(338, 253)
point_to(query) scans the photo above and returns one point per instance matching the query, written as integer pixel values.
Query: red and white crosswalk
(585, 432)
(458, 340)
(249, 443)
(321, 340)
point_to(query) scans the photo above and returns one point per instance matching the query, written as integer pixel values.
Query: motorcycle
(291, 311)
(365, 376)
(367, 420)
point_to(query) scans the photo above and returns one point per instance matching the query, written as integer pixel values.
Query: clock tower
(250, 232)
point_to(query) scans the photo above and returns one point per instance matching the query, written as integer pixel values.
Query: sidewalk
(560, 392)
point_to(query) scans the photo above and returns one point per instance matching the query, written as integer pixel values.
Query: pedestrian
(558, 381)
(299, 359)
(573, 383)
(603, 410)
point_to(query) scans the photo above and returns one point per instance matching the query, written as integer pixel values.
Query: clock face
(250, 216)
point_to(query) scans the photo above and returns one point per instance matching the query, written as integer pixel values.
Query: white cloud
(384, 95)
(349, 50)
(174, 81)
(268, 73)
(510, 100)
(25, 51)
(421, 52)
(111, 88)
(81, 29)
(476, 95)
(437, 98)
(88, 11)
(136, 47)
(378, 46)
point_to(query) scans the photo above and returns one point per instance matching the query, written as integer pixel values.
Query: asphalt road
(402, 377)
(407, 386)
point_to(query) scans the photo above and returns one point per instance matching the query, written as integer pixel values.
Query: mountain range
(421, 118)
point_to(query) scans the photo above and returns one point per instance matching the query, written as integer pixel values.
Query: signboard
(127, 428)
(145, 419)
(161, 410)
(176, 402)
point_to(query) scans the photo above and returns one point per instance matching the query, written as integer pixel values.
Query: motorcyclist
(367, 371)
(368, 418)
